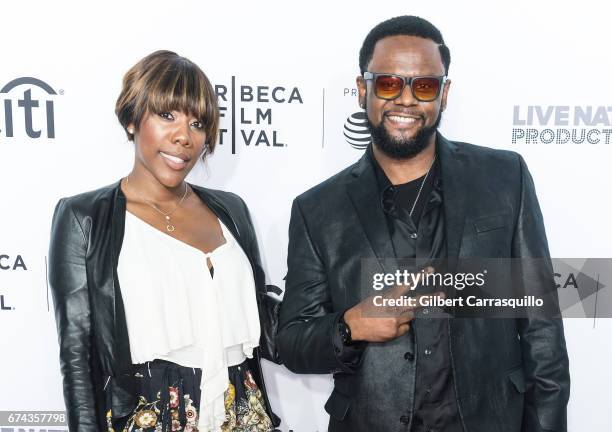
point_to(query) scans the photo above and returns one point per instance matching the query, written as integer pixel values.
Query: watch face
(344, 332)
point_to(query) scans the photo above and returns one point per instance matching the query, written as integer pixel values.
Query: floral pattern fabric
(169, 396)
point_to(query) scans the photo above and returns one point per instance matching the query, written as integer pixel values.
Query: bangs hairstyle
(162, 82)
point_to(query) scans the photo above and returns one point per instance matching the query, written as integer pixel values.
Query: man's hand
(372, 323)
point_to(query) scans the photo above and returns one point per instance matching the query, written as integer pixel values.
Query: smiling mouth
(400, 119)
(403, 120)
(175, 159)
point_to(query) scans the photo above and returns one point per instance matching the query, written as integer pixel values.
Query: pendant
(169, 227)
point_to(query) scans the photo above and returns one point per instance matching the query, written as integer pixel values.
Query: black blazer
(510, 374)
(86, 237)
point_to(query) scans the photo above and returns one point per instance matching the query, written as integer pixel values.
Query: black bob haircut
(406, 25)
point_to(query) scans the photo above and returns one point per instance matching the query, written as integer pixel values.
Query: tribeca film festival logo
(24, 105)
(548, 124)
(10, 263)
(252, 121)
(356, 132)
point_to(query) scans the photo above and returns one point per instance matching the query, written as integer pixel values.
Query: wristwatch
(345, 332)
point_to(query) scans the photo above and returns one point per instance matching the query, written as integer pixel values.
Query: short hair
(164, 81)
(406, 25)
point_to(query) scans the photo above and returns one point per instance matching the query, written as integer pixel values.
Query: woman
(159, 293)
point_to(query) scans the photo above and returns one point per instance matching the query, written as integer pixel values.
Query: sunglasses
(389, 86)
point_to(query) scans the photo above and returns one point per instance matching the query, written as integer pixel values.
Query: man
(415, 194)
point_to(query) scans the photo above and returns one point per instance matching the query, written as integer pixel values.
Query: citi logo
(356, 131)
(17, 104)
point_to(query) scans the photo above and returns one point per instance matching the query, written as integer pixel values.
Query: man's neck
(400, 171)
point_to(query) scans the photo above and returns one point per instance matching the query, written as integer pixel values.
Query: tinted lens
(388, 86)
(425, 89)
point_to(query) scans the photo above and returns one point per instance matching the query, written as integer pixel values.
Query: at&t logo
(356, 131)
(19, 103)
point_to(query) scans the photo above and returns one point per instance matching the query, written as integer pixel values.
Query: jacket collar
(221, 212)
(362, 188)
(454, 175)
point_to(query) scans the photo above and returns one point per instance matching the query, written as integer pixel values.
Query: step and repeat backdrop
(532, 77)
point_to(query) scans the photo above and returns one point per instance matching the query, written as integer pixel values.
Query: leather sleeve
(268, 306)
(545, 359)
(308, 323)
(68, 281)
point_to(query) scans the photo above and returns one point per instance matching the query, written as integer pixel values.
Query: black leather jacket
(510, 375)
(86, 237)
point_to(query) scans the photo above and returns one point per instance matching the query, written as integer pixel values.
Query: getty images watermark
(404, 281)
(489, 288)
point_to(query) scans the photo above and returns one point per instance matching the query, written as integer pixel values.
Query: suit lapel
(452, 163)
(362, 188)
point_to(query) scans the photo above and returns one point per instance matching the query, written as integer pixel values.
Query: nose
(406, 98)
(181, 133)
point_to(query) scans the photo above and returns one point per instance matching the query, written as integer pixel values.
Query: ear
(131, 130)
(362, 91)
(445, 91)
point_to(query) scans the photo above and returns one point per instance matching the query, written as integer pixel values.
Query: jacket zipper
(106, 383)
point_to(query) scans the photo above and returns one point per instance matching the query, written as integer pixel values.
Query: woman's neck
(142, 183)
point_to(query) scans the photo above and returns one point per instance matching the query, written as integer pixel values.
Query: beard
(401, 148)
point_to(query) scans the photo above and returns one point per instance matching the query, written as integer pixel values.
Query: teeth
(172, 158)
(402, 119)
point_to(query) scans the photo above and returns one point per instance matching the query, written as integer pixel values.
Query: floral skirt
(169, 399)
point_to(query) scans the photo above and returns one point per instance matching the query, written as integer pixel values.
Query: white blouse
(176, 311)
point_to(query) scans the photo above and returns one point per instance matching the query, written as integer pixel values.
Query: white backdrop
(507, 56)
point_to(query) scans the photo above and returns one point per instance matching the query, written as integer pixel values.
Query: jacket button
(404, 419)
(409, 356)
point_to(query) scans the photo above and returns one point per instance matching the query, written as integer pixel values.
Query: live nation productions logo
(563, 124)
(28, 105)
(251, 111)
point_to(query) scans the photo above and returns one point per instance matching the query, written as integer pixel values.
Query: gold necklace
(169, 226)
